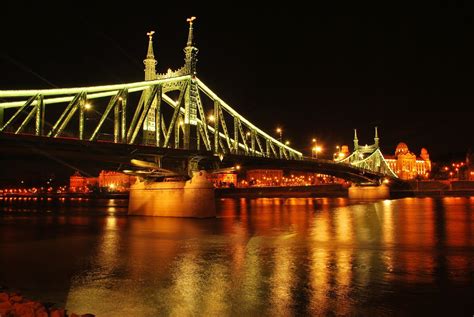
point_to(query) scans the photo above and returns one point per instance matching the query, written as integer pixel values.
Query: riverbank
(326, 190)
(15, 305)
(411, 189)
(332, 190)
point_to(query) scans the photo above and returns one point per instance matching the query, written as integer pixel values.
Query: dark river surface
(259, 257)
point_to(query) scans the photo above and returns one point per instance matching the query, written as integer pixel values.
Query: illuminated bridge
(172, 113)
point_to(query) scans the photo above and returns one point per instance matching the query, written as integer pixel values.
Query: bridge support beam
(158, 117)
(20, 110)
(117, 121)
(123, 127)
(177, 128)
(82, 105)
(252, 141)
(236, 135)
(190, 129)
(216, 127)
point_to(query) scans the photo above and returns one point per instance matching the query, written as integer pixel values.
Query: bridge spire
(190, 51)
(150, 61)
(356, 140)
(190, 33)
(376, 138)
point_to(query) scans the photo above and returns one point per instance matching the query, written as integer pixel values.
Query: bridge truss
(172, 129)
(135, 113)
(369, 158)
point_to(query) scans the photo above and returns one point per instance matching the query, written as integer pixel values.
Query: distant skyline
(314, 73)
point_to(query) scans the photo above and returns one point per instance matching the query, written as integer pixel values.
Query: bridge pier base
(193, 198)
(369, 192)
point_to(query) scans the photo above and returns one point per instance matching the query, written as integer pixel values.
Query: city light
(315, 150)
(279, 131)
(87, 106)
(211, 118)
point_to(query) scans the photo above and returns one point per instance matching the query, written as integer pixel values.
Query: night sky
(314, 72)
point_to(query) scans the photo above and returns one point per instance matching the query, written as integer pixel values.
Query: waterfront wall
(327, 190)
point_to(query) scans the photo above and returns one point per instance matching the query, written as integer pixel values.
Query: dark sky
(316, 72)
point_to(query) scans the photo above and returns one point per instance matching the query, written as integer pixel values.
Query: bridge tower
(190, 133)
(150, 74)
(368, 156)
(376, 138)
(356, 141)
(190, 90)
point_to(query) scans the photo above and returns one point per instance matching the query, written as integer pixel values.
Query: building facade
(224, 179)
(115, 181)
(407, 165)
(264, 177)
(81, 184)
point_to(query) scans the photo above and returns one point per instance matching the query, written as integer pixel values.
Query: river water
(259, 257)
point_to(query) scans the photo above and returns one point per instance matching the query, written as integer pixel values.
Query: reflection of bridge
(198, 121)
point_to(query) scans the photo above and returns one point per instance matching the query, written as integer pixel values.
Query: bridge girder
(153, 93)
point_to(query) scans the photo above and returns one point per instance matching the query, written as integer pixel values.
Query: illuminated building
(342, 153)
(345, 150)
(79, 183)
(115, 181)
(264, 177)
(406, 165)
(224, 179)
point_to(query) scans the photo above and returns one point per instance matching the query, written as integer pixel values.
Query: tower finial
(190, 34)
(376, 138)
(356, 140)
(190, 50)
(150, 45)
(150, 61)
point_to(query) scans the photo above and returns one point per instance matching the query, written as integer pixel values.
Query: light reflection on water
(278, 257)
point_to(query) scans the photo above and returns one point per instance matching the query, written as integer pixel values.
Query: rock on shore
(15, 305)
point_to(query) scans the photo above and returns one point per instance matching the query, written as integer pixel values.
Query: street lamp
(337, 155)
(287, 143)
(318, 149)
(314, 150)
(279, 131)
(211, 118)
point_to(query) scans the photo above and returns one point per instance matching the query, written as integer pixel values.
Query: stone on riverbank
(15, 305)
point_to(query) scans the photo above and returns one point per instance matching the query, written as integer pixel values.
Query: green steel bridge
(172, 112)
